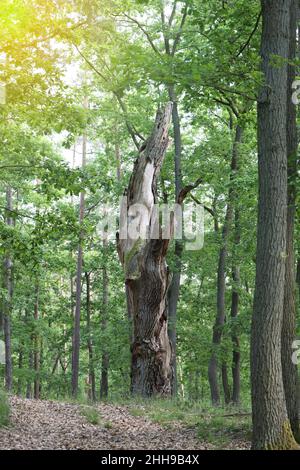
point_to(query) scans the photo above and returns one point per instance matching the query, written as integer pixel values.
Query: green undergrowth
(217, 426)
(4, 409)
(93, 416)
(223, 429)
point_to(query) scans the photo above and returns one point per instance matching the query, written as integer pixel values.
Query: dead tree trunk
(146, 272)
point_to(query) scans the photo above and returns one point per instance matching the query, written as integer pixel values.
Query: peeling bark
(146, 273)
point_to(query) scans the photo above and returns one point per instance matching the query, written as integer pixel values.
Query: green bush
(4, 409)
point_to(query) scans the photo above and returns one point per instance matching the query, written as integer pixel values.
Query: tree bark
(105, 355)
(225, 383)
(92, 382)
(298, 278)
(235, 297)
(271, 426)
(146, 272)
(30, 366)
(7, 304)
(36, 346)
(20, 366)
(236, 381)
(288, 335)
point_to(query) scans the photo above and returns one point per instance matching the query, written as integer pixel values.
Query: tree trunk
(36, 346)
(225, 383)
(236, 381)
(298, 278)
(146, 273)
(221, 279)
(7, 304)
(174, 290)
(236, 356)
(288, 335)
(20, 367)
(271, 426)
(92, 384)
(30, 366)
(105, 355)
(76, 329)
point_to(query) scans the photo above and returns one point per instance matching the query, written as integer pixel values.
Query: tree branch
(187, 189)
(119, 99)
(141, 27)
(179, 34)
(251, 35)
(208, 209)
(172, 16)
(19, 214)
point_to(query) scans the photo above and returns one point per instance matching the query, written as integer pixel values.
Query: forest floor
(54, 425)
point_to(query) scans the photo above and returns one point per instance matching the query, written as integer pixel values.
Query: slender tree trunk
(288, 335)
(174, 290)
(146, 272)
(236, 355)
(271, 426)
(118, 156)
(104, 319)
(20, 367)
(225, 383)
(29, 360)
(7, 304)
(76, 329)
(236, 381)
(92, 382)
(221, 284)
(36, 346)
(105, 281)
(8, 358)
(298, 279)
(30, 366)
